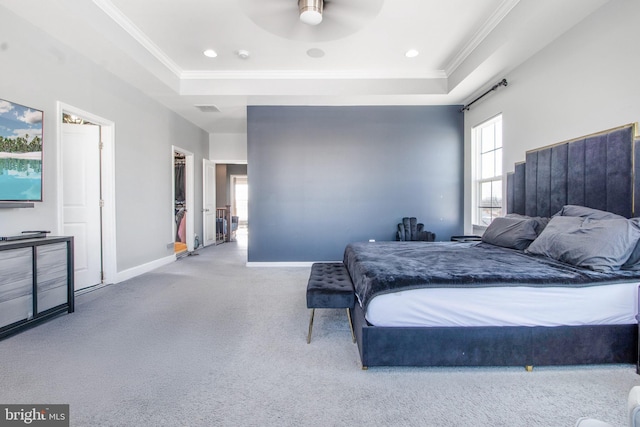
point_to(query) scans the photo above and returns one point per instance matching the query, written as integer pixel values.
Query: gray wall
(321, 177)
(586, 81)
(38, 71)
(221, 185)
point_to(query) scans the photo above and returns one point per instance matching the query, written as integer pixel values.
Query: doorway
(180, 205)
(240, 206)
(86, 197)
(240, 198)
(182, 202)
(218, 193)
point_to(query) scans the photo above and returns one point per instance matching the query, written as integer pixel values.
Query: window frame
(495, 179)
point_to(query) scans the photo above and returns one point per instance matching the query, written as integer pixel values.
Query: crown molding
(138, 35)
(302, 75)
(120, 18)
(490, 24)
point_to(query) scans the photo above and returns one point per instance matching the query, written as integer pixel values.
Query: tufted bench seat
(330, 287)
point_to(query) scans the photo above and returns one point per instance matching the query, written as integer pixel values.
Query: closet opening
(180, 203)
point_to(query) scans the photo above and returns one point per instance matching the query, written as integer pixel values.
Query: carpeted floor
(207, 341)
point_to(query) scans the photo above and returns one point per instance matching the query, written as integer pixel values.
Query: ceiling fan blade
(272, 14)
(340, 18)
(353, 8)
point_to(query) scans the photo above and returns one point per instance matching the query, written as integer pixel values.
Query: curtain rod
(503, 82)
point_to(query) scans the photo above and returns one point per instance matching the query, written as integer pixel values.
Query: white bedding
(507, 306)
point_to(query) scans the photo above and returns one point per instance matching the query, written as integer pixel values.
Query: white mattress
(614, 304)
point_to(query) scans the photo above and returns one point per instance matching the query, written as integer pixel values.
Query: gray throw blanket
(385, 267)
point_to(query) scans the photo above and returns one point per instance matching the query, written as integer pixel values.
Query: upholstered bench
(330, 287)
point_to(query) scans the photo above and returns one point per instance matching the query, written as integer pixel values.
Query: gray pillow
(515, 233)
(539, 222)
(601, 245)
(633, 262)
(585, 212)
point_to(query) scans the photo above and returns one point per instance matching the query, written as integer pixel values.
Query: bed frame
(600, 171)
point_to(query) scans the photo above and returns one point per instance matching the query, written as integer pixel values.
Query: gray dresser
(36, 281)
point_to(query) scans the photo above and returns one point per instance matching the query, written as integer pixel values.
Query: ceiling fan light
(310, 11)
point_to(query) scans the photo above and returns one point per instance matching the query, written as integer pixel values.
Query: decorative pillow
(601, 245)
(585, 212)
(539, 222)
(633, 262)
(515, 233)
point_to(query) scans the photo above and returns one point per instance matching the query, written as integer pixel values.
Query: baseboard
(284, 264)
(130, 273)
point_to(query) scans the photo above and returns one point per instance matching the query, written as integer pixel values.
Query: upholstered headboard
(597, 171)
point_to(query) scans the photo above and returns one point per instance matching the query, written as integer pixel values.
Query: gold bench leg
(310, 325)
(353, 336)
(529, 368)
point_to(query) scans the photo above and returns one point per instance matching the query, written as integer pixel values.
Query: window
(487, 171)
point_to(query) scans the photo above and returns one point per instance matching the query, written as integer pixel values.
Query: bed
(532, 292)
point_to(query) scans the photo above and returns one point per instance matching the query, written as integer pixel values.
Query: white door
(209, 202)
(81, 200)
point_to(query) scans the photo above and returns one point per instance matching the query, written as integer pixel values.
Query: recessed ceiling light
(210, 53)
(411, 53)
(243, 54)
(315, 52)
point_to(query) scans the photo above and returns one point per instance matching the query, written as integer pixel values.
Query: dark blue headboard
(596, 171)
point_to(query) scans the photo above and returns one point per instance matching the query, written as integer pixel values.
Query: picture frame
(21, 144)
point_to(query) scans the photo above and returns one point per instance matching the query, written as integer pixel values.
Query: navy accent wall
(321, 177)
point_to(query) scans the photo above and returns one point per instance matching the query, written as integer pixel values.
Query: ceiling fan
(310, 11)
(312, 20)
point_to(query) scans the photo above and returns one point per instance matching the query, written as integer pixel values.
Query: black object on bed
(596, 171)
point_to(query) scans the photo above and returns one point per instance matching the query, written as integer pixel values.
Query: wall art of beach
(20, 152)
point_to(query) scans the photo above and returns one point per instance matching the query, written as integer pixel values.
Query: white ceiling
(465, 47)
